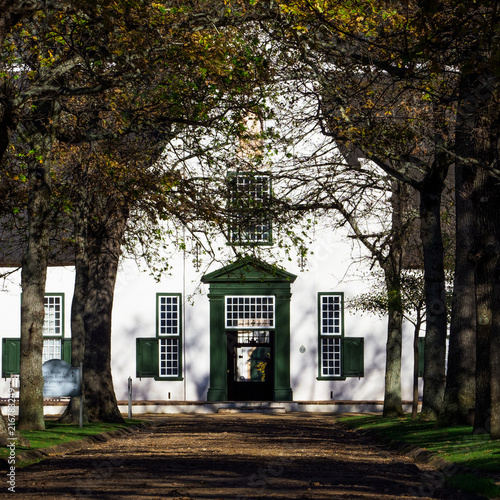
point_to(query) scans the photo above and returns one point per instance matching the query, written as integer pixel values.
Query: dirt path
(237, 456)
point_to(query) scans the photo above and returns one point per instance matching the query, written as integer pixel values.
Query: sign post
(61, 380)
(130, 397)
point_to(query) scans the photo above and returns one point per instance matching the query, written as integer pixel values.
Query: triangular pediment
(249, 269)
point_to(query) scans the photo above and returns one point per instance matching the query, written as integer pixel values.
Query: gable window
(160, 357)
(339, 356)
(249, 217)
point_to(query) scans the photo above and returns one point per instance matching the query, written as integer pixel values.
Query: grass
(454, 444)
(56, 433)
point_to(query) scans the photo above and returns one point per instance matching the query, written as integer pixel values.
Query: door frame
(249, 276)
(249, 390)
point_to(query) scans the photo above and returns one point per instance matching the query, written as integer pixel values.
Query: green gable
(249, 270)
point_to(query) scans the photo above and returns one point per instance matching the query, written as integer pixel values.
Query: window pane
(250, 312)
(52, 325)
(169, 357)
(168, 315)
(250, 220)
(51, 349)
(330, 357)
(331, 315)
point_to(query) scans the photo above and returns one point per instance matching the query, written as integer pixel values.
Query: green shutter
(421, 359)
(66, 350)
(353, 357)
(147, 357)
(11, 357)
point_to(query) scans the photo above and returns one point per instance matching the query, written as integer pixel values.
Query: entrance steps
(252, 407)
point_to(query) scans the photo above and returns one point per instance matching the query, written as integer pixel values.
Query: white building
(244, 331)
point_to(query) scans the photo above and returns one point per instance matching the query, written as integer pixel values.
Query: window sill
(331, 378)
(169, 379)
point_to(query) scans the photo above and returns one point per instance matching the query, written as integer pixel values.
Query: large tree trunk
(435, 299)
(485, 256)
(72, 412)
(104, 252)
(495, 352)
(33, 278)
(460, 391)
(392, 266)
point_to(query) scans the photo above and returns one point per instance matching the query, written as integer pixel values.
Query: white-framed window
(331, 314)
(53, 326)
(330, 357)
(331, 331)
(51, 349)
(169, 357)
(244, 311)
(250, 220)
(169, 333)
(168, 315)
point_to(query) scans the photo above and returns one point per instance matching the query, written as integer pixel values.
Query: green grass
(454, 444)
(56, 433)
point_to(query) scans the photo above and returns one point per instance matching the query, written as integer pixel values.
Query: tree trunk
(392, 266)
(33, 277)
(3, 430)
(460, 391)
(393, 405)
(485, 256)
(435, 300)
(72, 412)
(104, 252)
(495, 353)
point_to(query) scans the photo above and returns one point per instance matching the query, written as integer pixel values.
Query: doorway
(250, 363)
(249, 328)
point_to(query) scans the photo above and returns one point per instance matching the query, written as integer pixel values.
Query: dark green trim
(249, 270)
(66, 350)
(351, 348)
(179, 335)
(11, 357)
(352, 359)
(249, 276)
(330, 336)
(147, 357)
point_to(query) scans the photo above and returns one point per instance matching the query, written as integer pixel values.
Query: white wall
(329, 269)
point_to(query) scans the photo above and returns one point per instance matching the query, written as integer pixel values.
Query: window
(250, 312)
(169, 326)
(250, 221)
(55, 346)
(160, 357)
(53, 327)
(339, 356)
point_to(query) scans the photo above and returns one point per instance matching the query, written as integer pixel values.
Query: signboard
(60, 379)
